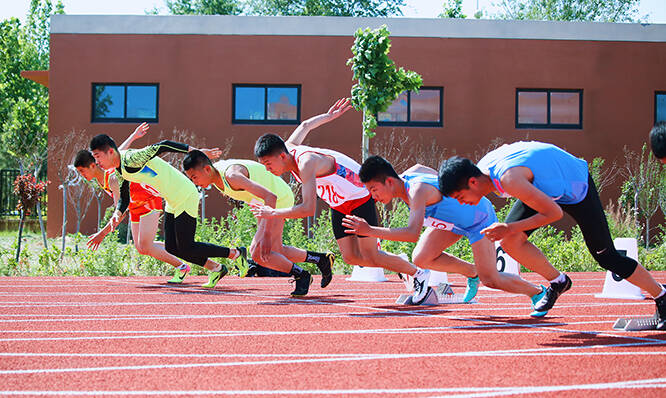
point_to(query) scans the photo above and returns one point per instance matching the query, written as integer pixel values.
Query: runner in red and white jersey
(333, 177)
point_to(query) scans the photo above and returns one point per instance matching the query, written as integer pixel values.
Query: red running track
(142, 337)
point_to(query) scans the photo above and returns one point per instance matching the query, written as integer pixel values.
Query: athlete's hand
(212, 153)
(140, 131)
(95, 240)
(116, 218)
(264, 248)
(341, 106)
(355, 225)
(497, 231)
(262, 211)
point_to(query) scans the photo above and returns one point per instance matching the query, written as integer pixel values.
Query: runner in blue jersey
(547, 181)
(446, 221)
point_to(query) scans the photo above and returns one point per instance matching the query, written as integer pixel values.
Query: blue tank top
(449, 215)
(557, 173)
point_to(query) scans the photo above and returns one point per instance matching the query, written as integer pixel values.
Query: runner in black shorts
(366, 211)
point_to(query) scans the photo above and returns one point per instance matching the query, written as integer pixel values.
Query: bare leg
(486, 263)
(517, 246)
(429, 253)
(364, 252)
(642, 278)
(144, 239)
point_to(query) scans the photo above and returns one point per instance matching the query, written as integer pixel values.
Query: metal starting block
(442, 295)
(636, 324)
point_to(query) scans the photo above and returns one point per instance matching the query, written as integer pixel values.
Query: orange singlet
(144, 199)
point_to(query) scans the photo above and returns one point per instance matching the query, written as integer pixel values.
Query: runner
(181, 196)
(446, 222)
(250, 182)
(547, 181)
(334, 178)
(145, 207)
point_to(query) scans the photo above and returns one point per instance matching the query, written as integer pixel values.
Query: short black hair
(83, 158)
(658, 140)
(269, 144)
(454, 174)
(376, 168)
(102, 142)
(196, 159)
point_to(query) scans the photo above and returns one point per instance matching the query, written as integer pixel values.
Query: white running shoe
(421, 278)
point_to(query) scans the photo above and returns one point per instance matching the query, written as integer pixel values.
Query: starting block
(636, 324)
(443, 294)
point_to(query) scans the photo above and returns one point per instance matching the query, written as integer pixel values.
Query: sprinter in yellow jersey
(250, 182)
(181, 196)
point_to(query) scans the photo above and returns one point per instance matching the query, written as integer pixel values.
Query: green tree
(204, 7)
(343, 8)
(570, 10)
(379, 82)
(453, 9)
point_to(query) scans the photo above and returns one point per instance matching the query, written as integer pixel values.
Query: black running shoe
(552, 293)
(325, 265)
(661, 312)
(303, 282)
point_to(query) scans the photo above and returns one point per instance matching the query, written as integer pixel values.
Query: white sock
(561, 278)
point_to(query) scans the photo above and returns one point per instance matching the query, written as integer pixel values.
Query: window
(415, 109)
(549, 109)
(121, 102)
(659, 106)
(266, 104)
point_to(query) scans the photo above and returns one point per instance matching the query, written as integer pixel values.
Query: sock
(233, 253)
(313, 257)
(183, 267)
(561, 278)
(295, 270)
(663, 292)
(217, 269)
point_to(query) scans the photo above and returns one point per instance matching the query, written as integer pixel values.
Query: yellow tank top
(258, 174)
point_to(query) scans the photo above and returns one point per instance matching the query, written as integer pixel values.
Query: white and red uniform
(143, 198)
(342, 189)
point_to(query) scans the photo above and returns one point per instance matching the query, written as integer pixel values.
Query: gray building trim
(343, 26)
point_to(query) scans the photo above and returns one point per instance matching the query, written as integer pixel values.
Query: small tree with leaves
(28, 190)
(379, 82)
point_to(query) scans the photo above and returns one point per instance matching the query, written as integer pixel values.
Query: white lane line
(531, 390)
(534, 351)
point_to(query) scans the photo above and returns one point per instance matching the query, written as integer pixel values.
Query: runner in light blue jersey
(446, 221)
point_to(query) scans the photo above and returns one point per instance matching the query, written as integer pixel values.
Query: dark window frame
(410, 123)
(125, 119)
(266, 121)
(548, 125)
(656, 93)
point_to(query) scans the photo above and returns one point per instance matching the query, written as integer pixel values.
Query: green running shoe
(179, 275)
(472, 288)
(535, 299)
(214, 277)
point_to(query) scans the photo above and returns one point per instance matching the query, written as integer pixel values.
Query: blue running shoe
(535, 299)
(472, 288)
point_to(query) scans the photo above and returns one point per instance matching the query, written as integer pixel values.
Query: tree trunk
(129, 230)
(41, 225)
(99, 212)
(64, 219)
(20, 236)
(203, 204)
(365, 144)
(647, 232)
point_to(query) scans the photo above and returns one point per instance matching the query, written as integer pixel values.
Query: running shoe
(661, 312)
(552, 293)
(421, 279)
(303, 282)
(214, 277)
(325, 265)
(535, 299)
(472, 288)
(179, 276)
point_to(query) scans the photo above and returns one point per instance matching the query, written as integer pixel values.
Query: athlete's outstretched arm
(298, 136)
(97, 238)
(139, 132)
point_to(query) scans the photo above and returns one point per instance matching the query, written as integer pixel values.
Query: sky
(654, 9)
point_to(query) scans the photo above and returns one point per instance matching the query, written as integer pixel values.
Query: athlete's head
(271, 151)
(658, 141)
(104, 150)
(84, 162)
(458, 179)
(199, 168)
(379, 178)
